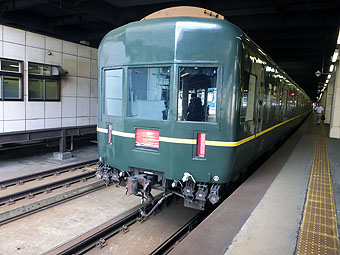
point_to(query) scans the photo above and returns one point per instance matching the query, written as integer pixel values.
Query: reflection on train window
(113, 92)
(197, 95)
(248, 97)
(149, 93)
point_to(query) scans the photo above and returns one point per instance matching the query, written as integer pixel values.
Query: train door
(249, 78)
(248, 96)
(260, 101)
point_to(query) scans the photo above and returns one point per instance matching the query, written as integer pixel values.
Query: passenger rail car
(187, 103)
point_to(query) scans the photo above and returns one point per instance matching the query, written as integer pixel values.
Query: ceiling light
(328, 77)
(338, 41)
(335, 56)
(331, 68)
(327, 81)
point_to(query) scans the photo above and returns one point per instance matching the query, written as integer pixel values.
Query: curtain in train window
(197, 94)
(149, 93)
(248, 97)
(113, 92)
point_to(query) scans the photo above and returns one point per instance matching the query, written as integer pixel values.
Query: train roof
(176, 15)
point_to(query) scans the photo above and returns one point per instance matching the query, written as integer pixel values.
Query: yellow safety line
(317, 235)
(193, 141)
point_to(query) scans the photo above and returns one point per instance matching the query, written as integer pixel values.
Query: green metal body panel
(177, 42)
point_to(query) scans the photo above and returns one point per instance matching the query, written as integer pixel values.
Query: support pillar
(329, 100)
(334, 131)
(62, 153)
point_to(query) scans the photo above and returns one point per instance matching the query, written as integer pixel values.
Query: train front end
(166, 105)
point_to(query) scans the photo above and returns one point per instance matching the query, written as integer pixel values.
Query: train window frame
(8, 74)
(167, 108)
(218, 67)
(103, 92)
(253, 109)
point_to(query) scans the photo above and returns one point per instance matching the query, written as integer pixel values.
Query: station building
(47, 84)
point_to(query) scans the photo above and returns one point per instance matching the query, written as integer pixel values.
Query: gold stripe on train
(194, 141)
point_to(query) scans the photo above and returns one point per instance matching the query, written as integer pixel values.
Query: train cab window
(149, 93)
(113, 92)
(197, 94)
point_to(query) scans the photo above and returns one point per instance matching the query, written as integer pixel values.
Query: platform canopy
(299, 35)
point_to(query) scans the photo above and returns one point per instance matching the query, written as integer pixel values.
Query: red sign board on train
(147, 139)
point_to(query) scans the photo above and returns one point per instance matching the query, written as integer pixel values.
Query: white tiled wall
(68, 107)
(83, 107)
(78, 104)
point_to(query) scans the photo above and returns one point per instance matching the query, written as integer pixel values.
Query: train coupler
(139, 185)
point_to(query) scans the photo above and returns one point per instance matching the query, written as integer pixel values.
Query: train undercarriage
(140, 182)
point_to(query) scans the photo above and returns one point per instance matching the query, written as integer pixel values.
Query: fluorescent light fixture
(338, 41)
(331, 68)
(329, 76)
(335, 56)
(327, 81)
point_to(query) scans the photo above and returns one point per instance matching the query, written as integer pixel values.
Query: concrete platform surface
(273, 227)
(32, 160)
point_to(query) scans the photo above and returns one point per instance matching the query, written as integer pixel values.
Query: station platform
(29, 160)
(288, 206)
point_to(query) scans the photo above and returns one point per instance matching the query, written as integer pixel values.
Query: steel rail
(168, 244)
(64, 200)
(98, 235)
(31, 177)
(44, 188)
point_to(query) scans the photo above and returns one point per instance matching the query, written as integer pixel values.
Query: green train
(186, 103)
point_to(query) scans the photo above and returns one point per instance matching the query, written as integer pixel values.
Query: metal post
(62, 153)
(62, 141)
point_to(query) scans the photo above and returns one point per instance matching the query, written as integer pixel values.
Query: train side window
(113, 92)
(248, 97)
(149, 93)
(197, 94)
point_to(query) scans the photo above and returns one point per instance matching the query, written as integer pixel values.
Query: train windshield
(197, 94)
(149, 93)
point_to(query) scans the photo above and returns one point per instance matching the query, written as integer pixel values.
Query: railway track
(31, 193)
(99, 239)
